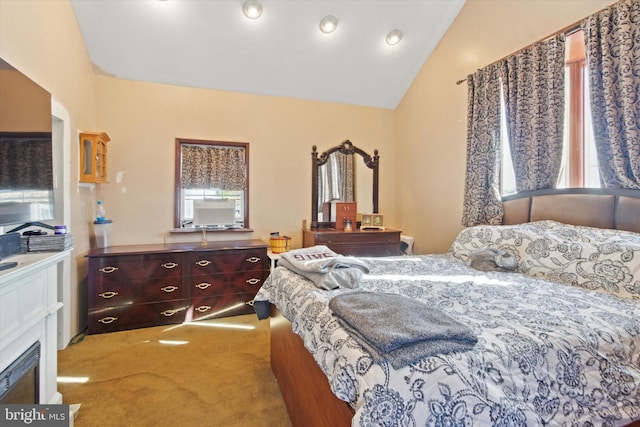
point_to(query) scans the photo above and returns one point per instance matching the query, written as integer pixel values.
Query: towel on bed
(400, 329)
(325, 268)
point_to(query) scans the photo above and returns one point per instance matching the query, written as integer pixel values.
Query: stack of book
(46, 243)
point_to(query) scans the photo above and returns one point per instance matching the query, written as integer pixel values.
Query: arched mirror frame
(347, 147)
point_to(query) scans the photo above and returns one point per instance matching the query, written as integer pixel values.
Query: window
(211, 170)
(579, 162)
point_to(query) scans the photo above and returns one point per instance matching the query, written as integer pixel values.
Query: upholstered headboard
(603, 208)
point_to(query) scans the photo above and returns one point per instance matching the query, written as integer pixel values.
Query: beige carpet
(209, 373)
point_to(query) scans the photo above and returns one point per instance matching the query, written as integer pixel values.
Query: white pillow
(592, 258)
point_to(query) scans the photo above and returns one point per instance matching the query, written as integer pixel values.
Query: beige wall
(24, 106)
(431, 119)
(143, 120)
(42, 40)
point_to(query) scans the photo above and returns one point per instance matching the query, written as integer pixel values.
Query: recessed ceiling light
(328, 24)
(252, 9)
(394, 37)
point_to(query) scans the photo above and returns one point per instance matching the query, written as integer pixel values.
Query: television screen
(26, 179)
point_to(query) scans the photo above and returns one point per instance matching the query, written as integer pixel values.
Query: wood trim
(177, 186)
(576, 62)
(317, 160)
(177, 178)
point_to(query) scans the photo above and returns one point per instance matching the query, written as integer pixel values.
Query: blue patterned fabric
(612, 39)
(482, 203)
(547, 353)
(591, 258)
(533, 85)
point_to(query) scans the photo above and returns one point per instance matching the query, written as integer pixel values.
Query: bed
(558, 338)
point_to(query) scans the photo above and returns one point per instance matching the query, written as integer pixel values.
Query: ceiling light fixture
(252, 9)
(328, 24)
(394, 37)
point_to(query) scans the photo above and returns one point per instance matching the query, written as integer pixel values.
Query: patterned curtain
(26, 163)
(214, 167)
(612, 39)
(482, 203)
(533, 86)
(337, 179)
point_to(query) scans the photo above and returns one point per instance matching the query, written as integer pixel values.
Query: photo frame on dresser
(366, 220)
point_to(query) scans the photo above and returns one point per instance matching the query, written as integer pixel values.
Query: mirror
(211, 185)
(363, 192)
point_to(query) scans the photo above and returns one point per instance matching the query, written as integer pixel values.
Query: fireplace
(20, 381)
(28, 329)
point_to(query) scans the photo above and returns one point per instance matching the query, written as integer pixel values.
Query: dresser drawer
(222, 306)
(137, 316)
(363, 237)
(371, 243)
(135, 286)
(227, 283)
(228, 261)
(138, 268)
(381, 249)
(109, 294)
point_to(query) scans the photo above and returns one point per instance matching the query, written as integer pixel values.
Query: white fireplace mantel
(29, 307)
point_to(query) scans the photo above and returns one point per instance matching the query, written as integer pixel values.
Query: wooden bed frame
(304, 387)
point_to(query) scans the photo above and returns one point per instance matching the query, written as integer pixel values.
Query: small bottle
(100, 214)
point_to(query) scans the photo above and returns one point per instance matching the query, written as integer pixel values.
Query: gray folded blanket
(325, 268)
(493, 259)
(400, 329)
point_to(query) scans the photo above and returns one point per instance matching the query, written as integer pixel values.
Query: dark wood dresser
(136, 286)
(356, 242)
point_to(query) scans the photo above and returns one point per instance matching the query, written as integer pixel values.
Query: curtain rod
(569, 29)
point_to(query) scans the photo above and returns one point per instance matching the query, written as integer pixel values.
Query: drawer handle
(169, 289)
(169, 265)
(203, 285)
(203, 263)
(203, 308)
(108, 294)
(108, 269)
(107, 320)
(253, 259)
(169, 313)
(253, 281)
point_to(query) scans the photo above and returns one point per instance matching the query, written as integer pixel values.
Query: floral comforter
(549, 353)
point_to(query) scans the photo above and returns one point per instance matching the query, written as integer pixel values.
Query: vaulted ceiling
(211, 44)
